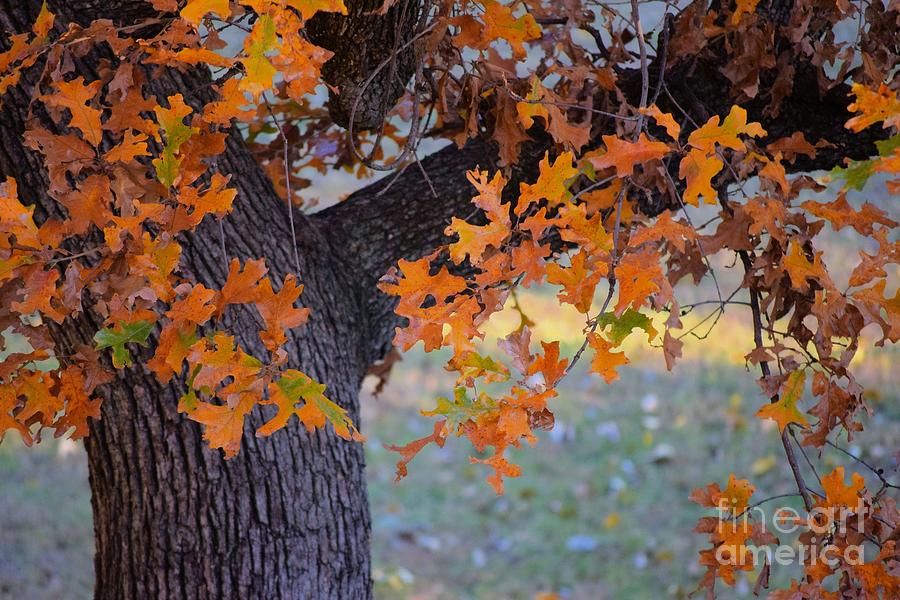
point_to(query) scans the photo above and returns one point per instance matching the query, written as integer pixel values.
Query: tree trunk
(288, 517)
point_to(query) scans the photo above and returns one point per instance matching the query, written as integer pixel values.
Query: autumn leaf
(308, 8)
(259, 69)
(551, 183)
(638, 275)
(800, 269)
(665, 228)
(277, 310)
(725, 135)
(838, 494)
(499, 23)
(876, 106)
(471, 365)
(241, 284)
(489, 197)
(578, 281)
(76, 95)
(531, 107)
(743, 7)
(132, 146)
(698, 168)
(224, 425)
(840, 214)
(621, 326)
(625, 155)
(605, 362)
(461, 407)
(548, 365)
(672, 347)
(785, 411)
(171, 122)
(8, 402)
(410, 450)
(736, 495)
(195, 10)
(195, 307)
(474, 239)
(44, 22)
(294, 386)
(502, 468)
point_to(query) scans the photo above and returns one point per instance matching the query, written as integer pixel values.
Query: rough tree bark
(288, 517)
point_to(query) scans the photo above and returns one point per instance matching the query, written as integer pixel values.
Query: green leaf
(888, 146)
(856, 174)
(296, 385)
(461, 408)
(167, 167)
(123, 333)
(621, 327)
(472, 364)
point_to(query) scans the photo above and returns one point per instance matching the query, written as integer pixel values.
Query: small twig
(73, 256)
(287, 179)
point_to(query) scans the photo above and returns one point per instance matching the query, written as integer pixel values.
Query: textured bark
(372, 61)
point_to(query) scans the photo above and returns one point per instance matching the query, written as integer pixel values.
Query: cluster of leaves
(131, 173)
(844, 521)
(579, 227)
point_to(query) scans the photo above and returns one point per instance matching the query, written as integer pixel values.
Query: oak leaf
(784, 411)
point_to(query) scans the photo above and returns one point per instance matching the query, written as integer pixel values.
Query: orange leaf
(410, 450)
(638, 275)
(578, 282)
(224, 424)
(605, 362)
(278, 312)
(551, 183)
(195, 10)
(664, 119)
(839, 494)
(474, 239)
(674, 232)
(241, 285)
(624, 155)
(726, 135)
(698, 168)
(76, 95)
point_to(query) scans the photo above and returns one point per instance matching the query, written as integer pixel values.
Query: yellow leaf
(743, 7)
(785, 410)
(260, 71)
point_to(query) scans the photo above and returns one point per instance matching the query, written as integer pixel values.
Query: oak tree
(182, 303)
